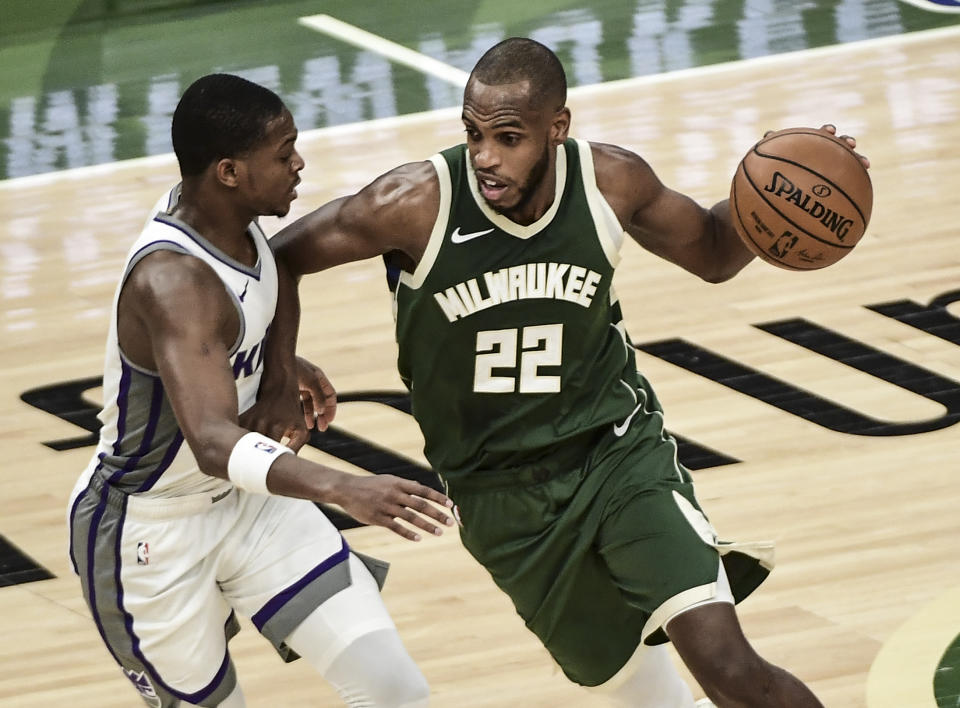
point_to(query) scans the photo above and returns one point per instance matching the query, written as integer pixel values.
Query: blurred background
(93, 81)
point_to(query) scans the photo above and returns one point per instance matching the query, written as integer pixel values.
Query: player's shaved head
(520, 59)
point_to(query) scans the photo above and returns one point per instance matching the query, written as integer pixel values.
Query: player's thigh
(355, 611)
(659, 549)
(285, 560)
(537, 542)
(152, 592)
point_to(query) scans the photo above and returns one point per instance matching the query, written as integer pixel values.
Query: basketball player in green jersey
(524, 383)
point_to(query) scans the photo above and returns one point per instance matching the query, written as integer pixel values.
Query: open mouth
(490, 187)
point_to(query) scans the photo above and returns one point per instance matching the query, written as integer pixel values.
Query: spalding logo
(782, 187)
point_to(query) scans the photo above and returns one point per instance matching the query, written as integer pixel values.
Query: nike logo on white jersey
(457, 237)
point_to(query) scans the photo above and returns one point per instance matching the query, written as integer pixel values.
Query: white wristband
(251, 459)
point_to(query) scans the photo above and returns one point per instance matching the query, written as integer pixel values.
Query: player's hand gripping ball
(801, 198)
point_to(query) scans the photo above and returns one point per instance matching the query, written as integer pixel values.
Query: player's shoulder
(173, 279)
(408, 180)
(616, 158)
(399, 194)
(622, 174)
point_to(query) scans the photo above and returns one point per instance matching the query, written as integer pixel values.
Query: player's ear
(227, 172)
(560, 126)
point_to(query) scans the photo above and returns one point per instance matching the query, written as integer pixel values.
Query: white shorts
(162, 578)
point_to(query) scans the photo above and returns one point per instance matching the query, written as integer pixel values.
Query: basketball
(801, 199)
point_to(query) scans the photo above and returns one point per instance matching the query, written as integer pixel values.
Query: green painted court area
(946, 681)
(93, 81)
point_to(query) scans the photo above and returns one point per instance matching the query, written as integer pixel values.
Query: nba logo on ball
(801, 199)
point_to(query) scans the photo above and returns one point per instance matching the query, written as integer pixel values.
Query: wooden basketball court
(864, 600)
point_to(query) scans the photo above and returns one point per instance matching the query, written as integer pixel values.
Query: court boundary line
(351, 34)
(933, 7)
(579, 92)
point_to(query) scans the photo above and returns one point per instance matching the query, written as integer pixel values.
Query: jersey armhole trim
(439, 232)
(164, 245)
(609, 231)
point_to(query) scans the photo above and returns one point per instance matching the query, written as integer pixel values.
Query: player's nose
(297, 163)
(486, 157)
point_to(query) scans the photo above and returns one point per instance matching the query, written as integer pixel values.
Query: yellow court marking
(902, 674)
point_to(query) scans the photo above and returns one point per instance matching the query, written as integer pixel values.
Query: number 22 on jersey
(539, 345)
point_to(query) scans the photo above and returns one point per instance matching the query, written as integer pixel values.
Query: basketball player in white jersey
(183, 517)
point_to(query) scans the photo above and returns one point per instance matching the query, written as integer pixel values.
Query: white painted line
(773, 59)
(452, 112)
(933, 6)
(391, 50)
(106, 168)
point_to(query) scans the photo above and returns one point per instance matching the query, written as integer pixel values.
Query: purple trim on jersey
(253, 272)
(134, 259)
(276, 603)
(172, 451)
(91, 544)
(156, 403)
(123, 395)
(195, 697)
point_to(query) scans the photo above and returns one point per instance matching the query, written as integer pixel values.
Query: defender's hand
(383, 500)
(278, 415)
(317, 395)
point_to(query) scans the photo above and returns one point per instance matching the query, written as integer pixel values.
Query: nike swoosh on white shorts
(457, 237)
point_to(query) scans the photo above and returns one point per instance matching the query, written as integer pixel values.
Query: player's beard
(529, 187)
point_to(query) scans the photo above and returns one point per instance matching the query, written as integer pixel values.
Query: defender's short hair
(218, 116)
(519, 58)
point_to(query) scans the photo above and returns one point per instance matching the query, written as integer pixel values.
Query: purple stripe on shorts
(91, 555)
(276, 603)
(73, 513)
(195, 697)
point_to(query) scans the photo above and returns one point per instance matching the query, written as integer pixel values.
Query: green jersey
(510, 337)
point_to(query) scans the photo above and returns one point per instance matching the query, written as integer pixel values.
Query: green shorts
(597, 554)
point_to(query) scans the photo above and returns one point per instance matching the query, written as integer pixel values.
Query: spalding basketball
(801, 199)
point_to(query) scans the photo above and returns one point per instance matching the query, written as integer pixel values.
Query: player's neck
(219, 221)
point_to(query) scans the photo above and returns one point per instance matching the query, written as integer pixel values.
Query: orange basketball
(801, 199)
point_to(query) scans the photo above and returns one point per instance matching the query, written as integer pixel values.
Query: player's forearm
(728, 255)
(280, 367)
(291, 476)
(229, 451)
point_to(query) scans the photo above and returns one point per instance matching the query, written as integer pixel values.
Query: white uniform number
(540, 345)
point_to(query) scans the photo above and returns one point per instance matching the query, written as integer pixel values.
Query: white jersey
(141, 449)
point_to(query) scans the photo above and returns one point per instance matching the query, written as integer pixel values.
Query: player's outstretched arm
(395, 211)
(191, 355)
(667, 223)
